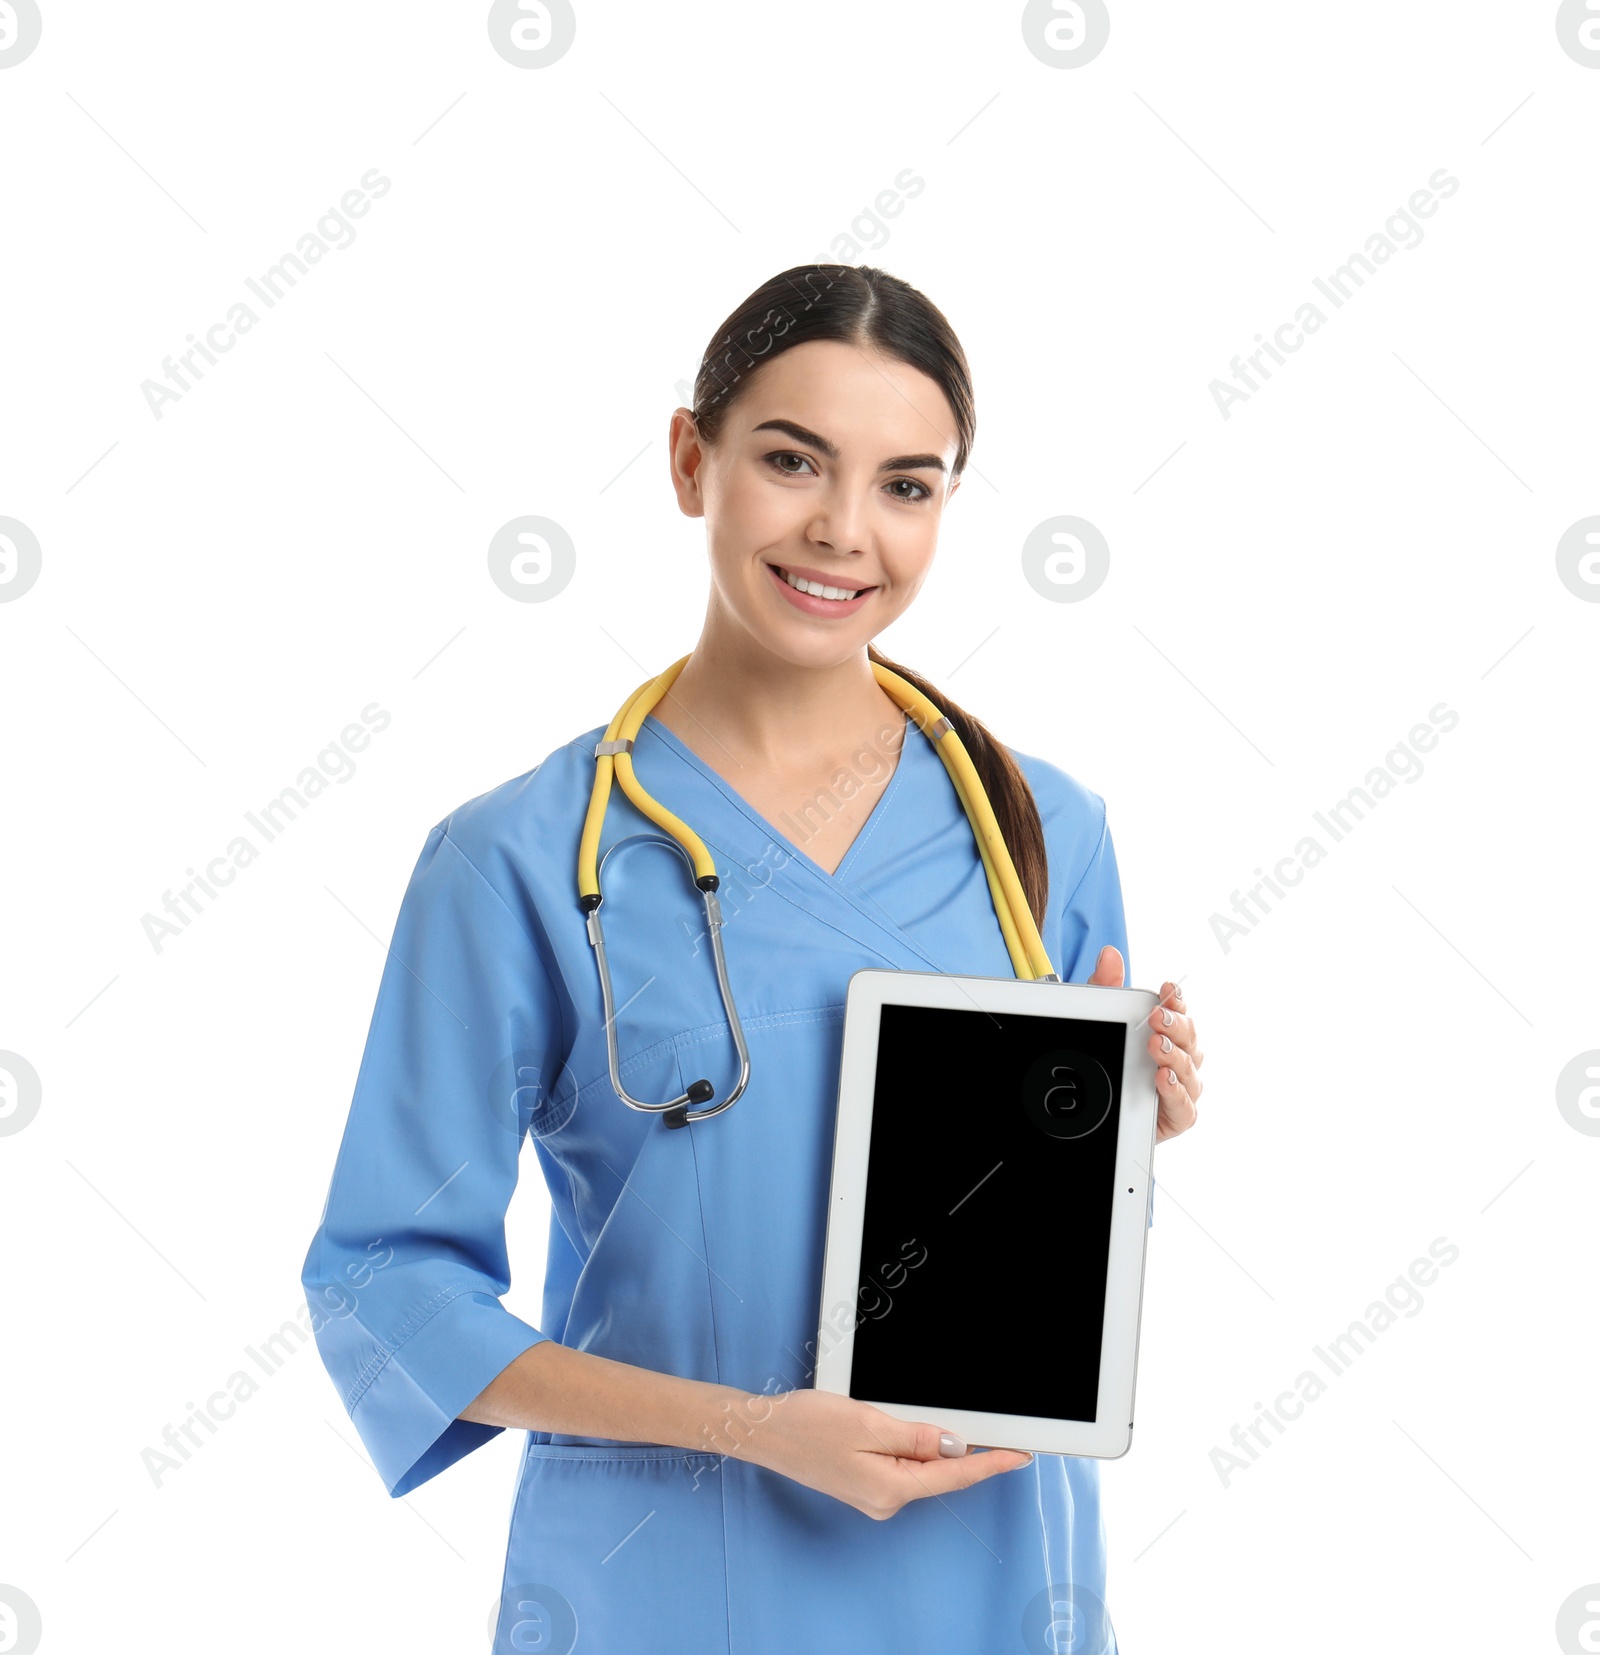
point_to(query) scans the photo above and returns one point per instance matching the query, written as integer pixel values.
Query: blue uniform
(695, 1252)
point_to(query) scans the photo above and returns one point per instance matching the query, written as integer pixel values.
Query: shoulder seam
(488, 884)
(527, 934)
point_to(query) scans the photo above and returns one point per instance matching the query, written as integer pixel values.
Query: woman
(683, 1487)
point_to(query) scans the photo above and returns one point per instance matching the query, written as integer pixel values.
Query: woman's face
(833, 465)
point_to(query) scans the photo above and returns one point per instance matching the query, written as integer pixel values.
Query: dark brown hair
(860, 305)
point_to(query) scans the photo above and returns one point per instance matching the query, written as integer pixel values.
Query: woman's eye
(779, 459)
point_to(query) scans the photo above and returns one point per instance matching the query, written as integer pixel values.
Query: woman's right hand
(853, 1451)
(849, 1449)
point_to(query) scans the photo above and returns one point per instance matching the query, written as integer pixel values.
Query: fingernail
(1166, 1017)
(1166, 1045)
(1026, 1463)
(950, 1444)
(1172, 1075)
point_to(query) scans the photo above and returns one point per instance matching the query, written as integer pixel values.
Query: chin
(801, 648)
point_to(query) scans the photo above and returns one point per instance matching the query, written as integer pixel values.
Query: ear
(685, 455)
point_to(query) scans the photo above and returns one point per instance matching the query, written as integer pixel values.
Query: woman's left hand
(1172, 1044)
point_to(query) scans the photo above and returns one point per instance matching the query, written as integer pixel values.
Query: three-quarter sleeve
(405, 1272)
(1091, 917)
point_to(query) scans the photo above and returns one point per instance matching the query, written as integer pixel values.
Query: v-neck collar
(874, 817)
(844, 904)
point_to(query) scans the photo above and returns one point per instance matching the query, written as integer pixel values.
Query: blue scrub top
(695, 1252)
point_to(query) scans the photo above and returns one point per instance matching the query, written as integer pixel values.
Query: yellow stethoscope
(615, 754)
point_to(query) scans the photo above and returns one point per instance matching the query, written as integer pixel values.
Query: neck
(735, 693)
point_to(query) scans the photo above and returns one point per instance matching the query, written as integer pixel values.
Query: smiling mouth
(817, 588)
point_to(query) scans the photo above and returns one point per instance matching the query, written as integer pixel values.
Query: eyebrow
(900, 462)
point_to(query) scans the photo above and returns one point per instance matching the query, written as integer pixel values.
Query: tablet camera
(1067, 1094)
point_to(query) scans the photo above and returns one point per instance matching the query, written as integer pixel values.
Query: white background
(1292, 588)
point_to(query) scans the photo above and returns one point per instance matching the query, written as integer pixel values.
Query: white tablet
(987, 1216)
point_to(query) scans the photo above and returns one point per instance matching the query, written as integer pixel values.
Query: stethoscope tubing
(700, 1091)
(614, 759)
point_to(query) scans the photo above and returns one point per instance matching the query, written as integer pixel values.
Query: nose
(839, 520)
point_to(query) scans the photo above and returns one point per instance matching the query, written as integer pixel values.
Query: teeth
(817, 589)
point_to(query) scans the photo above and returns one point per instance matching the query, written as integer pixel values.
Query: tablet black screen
(986, 1230)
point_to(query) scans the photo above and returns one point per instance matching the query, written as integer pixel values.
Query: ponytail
(1015, 808)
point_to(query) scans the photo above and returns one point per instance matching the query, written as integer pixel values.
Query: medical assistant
(696, 1251)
